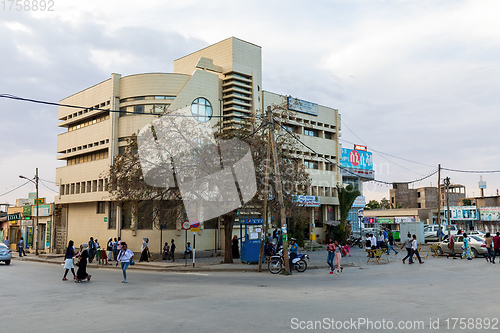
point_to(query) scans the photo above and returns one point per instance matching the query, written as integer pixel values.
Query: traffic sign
(195, 225)
(186, 225)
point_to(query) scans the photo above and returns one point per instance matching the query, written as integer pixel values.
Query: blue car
(5, 254)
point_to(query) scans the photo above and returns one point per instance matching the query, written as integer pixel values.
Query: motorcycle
(353, 241)
(276, 263)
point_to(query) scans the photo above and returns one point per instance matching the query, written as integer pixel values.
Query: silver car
(5, 254)
(477, 245)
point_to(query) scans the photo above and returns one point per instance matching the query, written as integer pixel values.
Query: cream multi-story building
(221, 81)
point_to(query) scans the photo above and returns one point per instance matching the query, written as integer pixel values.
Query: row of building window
(90, 186)
(141, 98)
(88, 157)
(140, 109)
(88, 122)
(90, 145)
(79, 113)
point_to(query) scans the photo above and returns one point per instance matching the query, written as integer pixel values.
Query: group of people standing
(103, 255)
(84, 255)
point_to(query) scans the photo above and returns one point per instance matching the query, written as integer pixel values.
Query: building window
(112, 216)
(201, 109)
(138, 108)
(311, 165)
(310, 132)
(101, 207)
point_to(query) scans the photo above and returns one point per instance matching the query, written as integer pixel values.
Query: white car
(431, 232)
(5, 254)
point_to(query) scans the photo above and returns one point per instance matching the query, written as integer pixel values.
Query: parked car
(5, 254)
(477, 244)
(431, 232)
(476, 233)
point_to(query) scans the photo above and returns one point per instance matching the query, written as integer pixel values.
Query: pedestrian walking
(235, 248)
(69, 261)
(489, 247)
(347, 248)
(109, 249)
(407, 245)
(467, 253)
(92, 249)
(125, 259)
(115, 249)
(20, 245)
(368, 245)
(6, 241)
(172, 250)
(294, 252)
(451, 246)
(338, 257)
(390, 247)
(81, 274)
(144, 250)
(330, 249)
(414, 250)
(496, 245)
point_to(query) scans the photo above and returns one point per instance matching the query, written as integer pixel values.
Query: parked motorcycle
(355, 241)
(276, 263)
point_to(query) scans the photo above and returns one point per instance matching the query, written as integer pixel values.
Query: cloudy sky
(416, 81)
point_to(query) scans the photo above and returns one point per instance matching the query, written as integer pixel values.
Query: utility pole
(266, 190)
(439, 202)
(37, 211)
(284, 228)
(446, 182)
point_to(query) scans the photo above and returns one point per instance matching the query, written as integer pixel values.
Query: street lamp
(35, 234)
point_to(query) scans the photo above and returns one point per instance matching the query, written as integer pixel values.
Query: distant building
(425, 197)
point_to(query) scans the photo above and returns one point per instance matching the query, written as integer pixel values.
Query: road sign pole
(194, 247)
(185, 246)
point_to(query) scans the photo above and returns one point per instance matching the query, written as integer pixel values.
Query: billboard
(356, 159)
(300, 105)
(461, 213)
(490, 213)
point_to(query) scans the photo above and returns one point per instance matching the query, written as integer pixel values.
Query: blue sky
(414, 79)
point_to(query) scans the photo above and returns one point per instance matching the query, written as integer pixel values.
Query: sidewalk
(215, 264)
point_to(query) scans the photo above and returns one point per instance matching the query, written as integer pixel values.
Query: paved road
(33, 298)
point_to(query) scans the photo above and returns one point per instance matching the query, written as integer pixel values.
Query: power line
(1, 195)
(48, 187)
(472, 171)
(345, 169)
(109, 110)
(380, 153)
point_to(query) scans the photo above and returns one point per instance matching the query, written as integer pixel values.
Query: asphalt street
(415, 297)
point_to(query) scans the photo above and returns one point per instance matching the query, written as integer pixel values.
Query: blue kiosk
(250, 243)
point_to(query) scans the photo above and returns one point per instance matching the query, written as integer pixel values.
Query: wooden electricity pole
(284, 228)
(266, 190)
(439, 202)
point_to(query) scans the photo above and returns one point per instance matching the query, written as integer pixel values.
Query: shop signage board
(461, 213)
(13, 217)
(307, 200)
(490, 213)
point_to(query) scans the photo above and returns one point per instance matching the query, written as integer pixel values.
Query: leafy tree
(372, 204)
(385, 203)
(466, 202)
